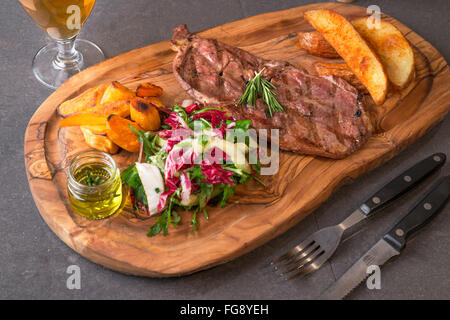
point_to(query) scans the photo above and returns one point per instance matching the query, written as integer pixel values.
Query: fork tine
(294, 251)
(313, 265)
(302, 255)
(304, 261)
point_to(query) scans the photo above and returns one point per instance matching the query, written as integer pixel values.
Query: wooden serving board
(255, 214)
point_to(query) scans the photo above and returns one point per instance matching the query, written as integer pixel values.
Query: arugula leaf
(128, 172)
(205, 192)
(196, 174)
(168, 217)
(243, 124)
(176, 218)
(194, 219)
(131, 178)
(205, 110)
(140, 196)
(228, 191)
(156, 227)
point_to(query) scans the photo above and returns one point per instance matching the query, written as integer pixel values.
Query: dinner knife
(393, 242)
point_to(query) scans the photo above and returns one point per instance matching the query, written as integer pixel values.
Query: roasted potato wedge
(99, 142)
(118, 107)
(116, 91)
(96, 129)
(83, 102)
(145, 114)
(148, 90)
(393, 49)
(315, 44)
(156, 101)
(82, 119)
(119, 132)
(341, 70)
(347, 42)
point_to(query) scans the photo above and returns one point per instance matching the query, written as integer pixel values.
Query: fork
(313, 252)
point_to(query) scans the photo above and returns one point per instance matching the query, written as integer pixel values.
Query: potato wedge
(393, 49)
(347, 42)
(118, 107)
(148, 90)
(96, 129)
(83, 102)
(116, 91)
(315, 44)
(145, 114)
(119, 132)
(156, 101)
(82, 119)
(99, 142)
(341, 70)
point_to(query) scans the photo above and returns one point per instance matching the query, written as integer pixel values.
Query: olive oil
(95, 187)
(92, 175)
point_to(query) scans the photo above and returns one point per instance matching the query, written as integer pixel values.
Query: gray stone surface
(33, 261)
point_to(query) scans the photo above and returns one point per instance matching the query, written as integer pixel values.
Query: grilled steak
(322, 115)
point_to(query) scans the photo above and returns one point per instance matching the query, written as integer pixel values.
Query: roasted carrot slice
(83, 102)
(99, 142)
(119, 132)
(148, 90)
(82, 119)
(145, 114)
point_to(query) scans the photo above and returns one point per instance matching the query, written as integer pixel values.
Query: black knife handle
(420, 214)
(402, 183)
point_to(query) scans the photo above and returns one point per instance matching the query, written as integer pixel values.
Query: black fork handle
(403, 183)
(427, 208)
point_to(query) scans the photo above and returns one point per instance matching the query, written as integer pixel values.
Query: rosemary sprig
(259, 86)
(93, 181)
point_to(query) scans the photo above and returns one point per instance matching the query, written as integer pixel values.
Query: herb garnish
(259, 86)
(93, 181)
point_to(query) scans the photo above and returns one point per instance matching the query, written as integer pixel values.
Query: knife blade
(393, 242)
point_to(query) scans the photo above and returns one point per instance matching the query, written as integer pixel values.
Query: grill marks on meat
(322, 115)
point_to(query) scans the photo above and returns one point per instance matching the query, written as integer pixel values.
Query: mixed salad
(198, 157)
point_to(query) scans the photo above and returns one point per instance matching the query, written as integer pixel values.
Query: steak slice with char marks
(322, 116)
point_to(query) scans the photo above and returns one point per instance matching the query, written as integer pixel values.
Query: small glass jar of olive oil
(94, 185)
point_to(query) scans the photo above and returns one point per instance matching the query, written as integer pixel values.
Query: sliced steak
(322, 115)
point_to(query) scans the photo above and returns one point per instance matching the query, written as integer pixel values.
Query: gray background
(33, 261)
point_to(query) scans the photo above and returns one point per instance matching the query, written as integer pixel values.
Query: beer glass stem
(68, 57)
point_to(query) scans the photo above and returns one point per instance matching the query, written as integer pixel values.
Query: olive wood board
(255, 214)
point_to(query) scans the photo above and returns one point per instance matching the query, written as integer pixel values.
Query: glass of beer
(65, 55)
